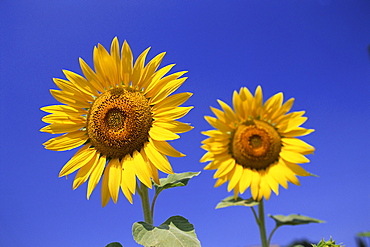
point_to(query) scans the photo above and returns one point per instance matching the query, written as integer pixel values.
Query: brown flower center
(118, 122)
(255, 144)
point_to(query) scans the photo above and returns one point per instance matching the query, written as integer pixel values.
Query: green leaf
(114, 244)
(363, 234)
(230, 201)
(176, 231)
(293, 219)
(174, 180)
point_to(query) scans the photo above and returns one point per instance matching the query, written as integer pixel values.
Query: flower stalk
(260, 220)
(144, 195)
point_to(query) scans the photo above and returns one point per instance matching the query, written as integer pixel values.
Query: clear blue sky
(312, 50)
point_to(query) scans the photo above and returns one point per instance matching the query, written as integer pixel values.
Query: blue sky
(312, 50)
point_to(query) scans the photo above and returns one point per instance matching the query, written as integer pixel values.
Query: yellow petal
(172, 113)
(62, 128)
(138, 68)
(142, 168)
(216, 123)
(171, 101)
(265, 190)
(68, 87)
(69, 99)
(224, 168)
(238, 105)
(160, 134)
(166, 90)
(257, 102)
(289, 174)
(105, 195)
(271, 106)
(149, 70)
(297, 169)
(220, 181)
(174, 126)
(245, 180)
(103, 66)
(206, 157)
(235, 177)
(83, 156)
(283, 109)
(255, 184)
(114, 170)
(293, 157)
(67, 141)
(297, 145)
(63, 109)
(155, 176)
(166, 149)
(229, 113)
(156, 86)
(155, 82)
(116, 60)
(126, 63)
(219, 114)
(159, 160)
(124, 187)
(298, 132)
(216, 134)
(278, 174)
(128, 174)
(96, 174)
(217, 160)
(85, 171)
(80, 83)
(93, 79)
(63, 119)
(272, 183)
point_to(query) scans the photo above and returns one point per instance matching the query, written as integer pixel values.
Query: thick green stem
(143, 192)
(261, 224)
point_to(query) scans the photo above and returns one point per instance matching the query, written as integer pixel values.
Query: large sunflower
(122, 115)
(255, 144)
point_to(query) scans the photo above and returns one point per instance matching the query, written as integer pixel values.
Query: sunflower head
(121, 114)
(255, 145)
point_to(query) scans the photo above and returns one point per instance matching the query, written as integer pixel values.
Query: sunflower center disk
(118, 122)
(255, 144)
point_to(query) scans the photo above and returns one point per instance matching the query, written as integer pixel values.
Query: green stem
(143, 192)
(261, 224)
(272, 232)
(153, 203)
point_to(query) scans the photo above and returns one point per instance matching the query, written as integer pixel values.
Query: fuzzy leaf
(174, 180)
(363, 234)
(230, 201)
(176, 231)
(294, 219)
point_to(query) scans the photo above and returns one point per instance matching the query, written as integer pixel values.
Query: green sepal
(329, 243)
(174, 180)
(293, 219)
(231, 201)
(176, 231)
(114, 244)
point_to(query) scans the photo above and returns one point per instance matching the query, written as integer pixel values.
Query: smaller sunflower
(122, 116)
(255, 145)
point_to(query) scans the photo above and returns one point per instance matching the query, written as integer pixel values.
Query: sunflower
(121, 116)
(255, 144)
